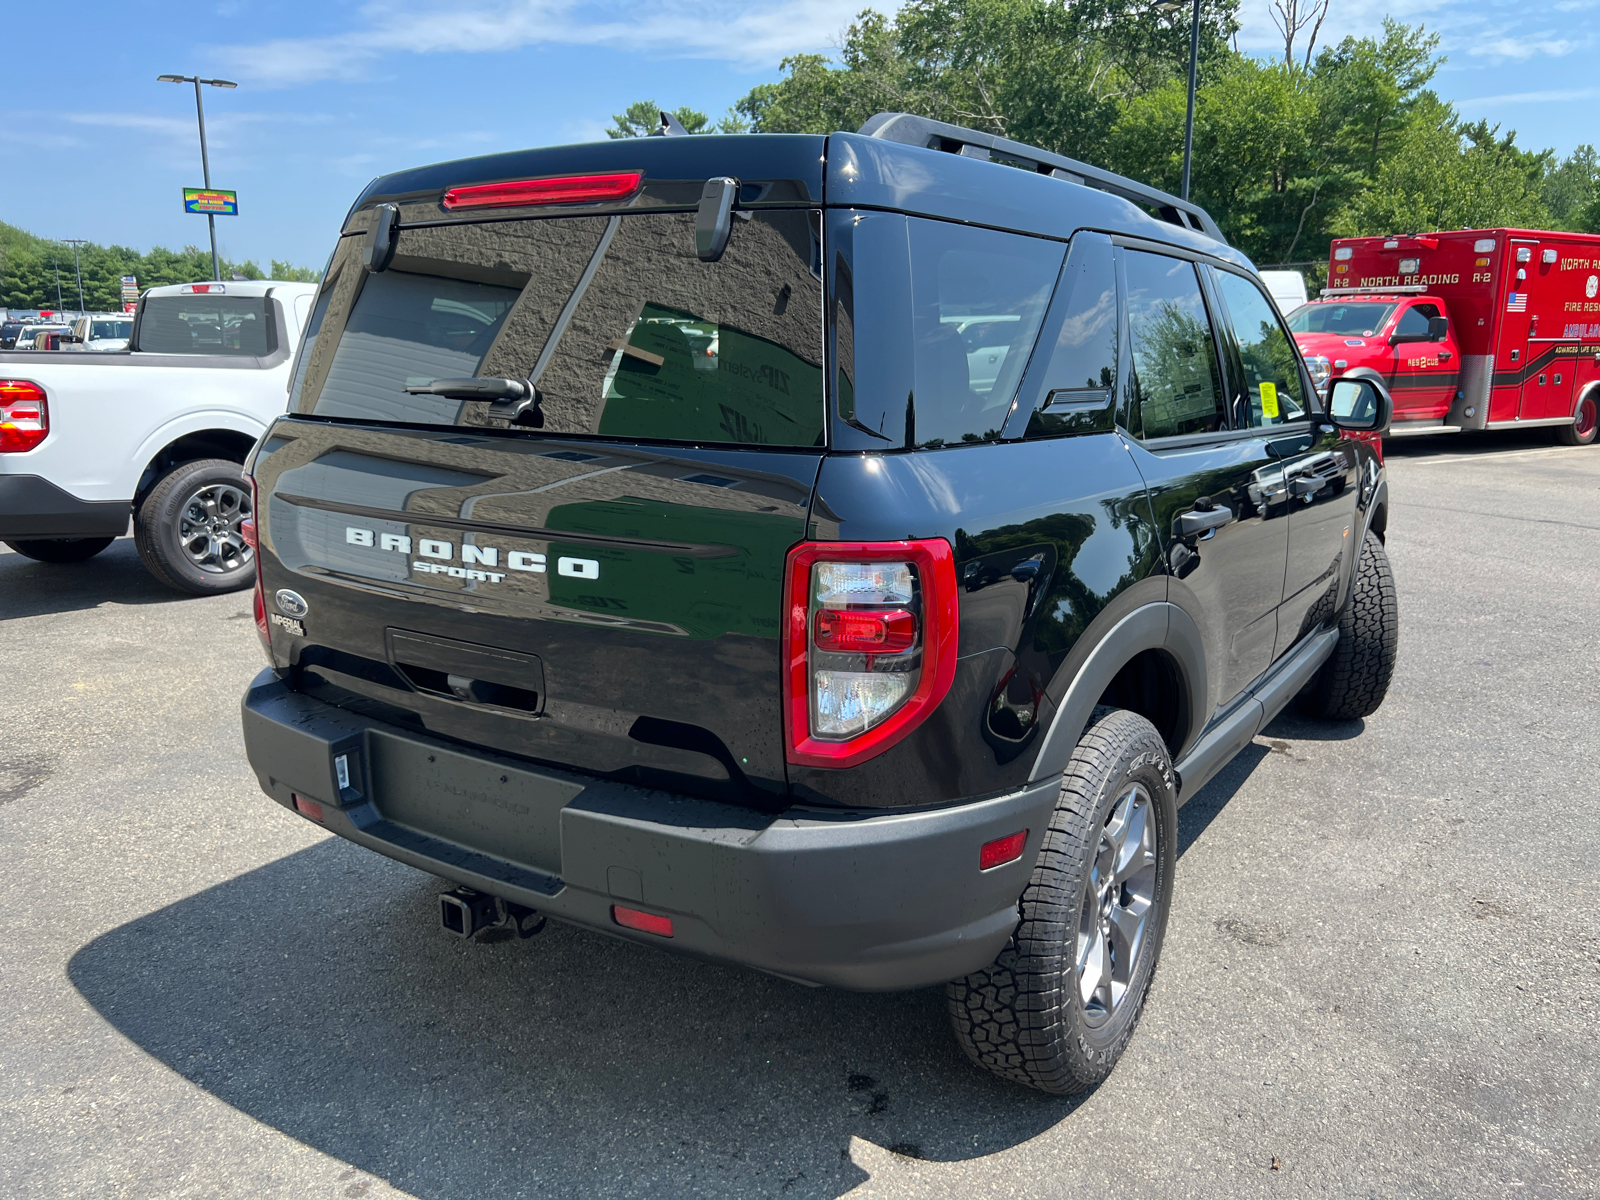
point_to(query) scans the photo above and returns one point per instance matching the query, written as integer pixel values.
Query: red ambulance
(1472, 329)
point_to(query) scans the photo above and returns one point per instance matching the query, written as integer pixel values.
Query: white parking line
(1491, 456)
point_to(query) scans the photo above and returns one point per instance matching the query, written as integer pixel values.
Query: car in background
(100, 331)
(8, 334)
(28, 333)
(1288, 288)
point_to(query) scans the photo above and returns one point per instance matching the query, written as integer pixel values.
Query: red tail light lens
(247, 530)
(1002, 850)
(632, 918)
(870, 643)
(24, 416)
(567, 189)
(844, 631)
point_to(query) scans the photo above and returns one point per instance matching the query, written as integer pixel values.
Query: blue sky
(332, 94)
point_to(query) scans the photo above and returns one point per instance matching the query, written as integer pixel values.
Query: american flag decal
(1517, 302)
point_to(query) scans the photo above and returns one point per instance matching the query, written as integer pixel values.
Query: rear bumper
(33, 507)
(875, 901)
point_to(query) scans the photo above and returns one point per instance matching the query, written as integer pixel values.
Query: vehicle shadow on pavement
(318, 995)
(114, 576)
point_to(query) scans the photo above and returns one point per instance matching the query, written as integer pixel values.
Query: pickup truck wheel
(1058, 1006)
(60, 550)
(1354, 680)
(1586, 423)
(187, 528)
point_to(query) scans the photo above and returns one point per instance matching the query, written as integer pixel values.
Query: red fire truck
(1472, 329)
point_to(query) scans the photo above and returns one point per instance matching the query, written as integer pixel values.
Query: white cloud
(1552, 97)
(750, 35)
(1522, 48)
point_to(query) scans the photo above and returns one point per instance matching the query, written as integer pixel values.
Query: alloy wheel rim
(208, 528)
(1119, 905)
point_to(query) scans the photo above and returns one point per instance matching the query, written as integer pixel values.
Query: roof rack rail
(970, 143)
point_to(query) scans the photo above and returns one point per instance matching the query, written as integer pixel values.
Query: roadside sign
(211, 200)
(130, 288)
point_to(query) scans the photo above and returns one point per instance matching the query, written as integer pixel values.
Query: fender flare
(200, 421)
(1157, 626)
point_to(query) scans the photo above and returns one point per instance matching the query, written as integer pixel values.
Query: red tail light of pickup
(24, 416)
(869, 645)
(564, 189)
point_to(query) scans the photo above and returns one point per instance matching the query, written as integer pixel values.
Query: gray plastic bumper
(871, 901)
(33, 507)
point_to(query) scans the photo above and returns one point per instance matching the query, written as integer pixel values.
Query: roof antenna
(670, 127)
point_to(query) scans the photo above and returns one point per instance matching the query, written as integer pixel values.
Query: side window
(1272, 392)
(978, 297)
(1069, 384)
(1414, 320)
(1176, 386)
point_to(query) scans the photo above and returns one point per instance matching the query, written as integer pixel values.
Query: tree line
(1339, 141)
(32, 268)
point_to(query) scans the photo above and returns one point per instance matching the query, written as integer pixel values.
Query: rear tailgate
(603, 590)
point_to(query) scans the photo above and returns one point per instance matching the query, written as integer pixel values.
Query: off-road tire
(1585, 424)
(60, 550)
(156, 528)
(1354, 680)
(1023, 1016)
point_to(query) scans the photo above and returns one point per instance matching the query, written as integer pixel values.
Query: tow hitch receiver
(465, 913)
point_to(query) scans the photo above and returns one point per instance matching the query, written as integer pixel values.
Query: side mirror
(1359, 405)
(1438, 328)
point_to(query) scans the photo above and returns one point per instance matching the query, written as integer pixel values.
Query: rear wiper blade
(515, 399)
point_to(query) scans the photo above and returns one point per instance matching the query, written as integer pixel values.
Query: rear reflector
(1002, 850)
(567, 189)
(307, 808)
(24, 416)
(632, 918)
(247, 531)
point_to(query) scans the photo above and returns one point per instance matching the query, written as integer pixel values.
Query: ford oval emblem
(291, 604)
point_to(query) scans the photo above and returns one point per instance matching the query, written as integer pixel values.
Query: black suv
(836, 555)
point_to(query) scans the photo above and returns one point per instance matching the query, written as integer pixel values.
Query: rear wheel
(1585, 425)
(1058, 1006)
(60, 550)
(1355, 679)
(187, 528)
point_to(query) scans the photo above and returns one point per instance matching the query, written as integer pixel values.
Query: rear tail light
(869, 643)
(24, 416)
(632, 918)
(566, 189)
(252, 538)
(204, 289)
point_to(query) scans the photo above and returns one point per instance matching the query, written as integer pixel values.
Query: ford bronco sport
(835, 555)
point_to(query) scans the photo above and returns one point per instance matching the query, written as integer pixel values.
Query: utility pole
(77, 270)
(205, 162)
(1188, 123)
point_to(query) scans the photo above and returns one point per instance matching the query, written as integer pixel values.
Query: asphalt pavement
(1381, 976)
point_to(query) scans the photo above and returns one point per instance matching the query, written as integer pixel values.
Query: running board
(1417, 428)
(1218, 745)
(1530, 424)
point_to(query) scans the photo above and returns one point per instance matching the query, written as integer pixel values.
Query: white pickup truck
(156, 433)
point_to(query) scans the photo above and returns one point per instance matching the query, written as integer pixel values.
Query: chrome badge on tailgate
(480, 563)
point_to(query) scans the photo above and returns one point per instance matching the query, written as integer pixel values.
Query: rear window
(1360, 320)
(626, 333)
(231, 325)
(110, 329)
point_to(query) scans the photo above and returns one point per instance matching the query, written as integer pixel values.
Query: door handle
(1197, 522)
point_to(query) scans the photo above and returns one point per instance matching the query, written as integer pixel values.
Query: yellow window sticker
(1269, 401)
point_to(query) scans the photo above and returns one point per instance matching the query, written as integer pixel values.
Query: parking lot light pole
(77, 270)
(205, 163)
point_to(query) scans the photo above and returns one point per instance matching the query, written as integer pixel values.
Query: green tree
(643, 117)
(1446, 176)
(1569, 186)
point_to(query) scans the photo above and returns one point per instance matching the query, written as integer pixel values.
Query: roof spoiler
(970, 143)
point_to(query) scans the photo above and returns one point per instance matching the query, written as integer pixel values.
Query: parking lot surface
(1381, 977)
